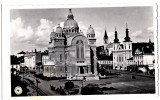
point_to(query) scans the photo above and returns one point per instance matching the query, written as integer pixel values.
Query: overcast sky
(30, 28)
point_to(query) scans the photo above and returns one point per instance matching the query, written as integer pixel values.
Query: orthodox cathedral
(71, 54)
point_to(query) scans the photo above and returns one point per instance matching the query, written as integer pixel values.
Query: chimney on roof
(35, 50)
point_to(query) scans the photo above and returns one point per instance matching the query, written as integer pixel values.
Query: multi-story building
(32, 58)
(143, 54)
(45, 57)
(29, 60)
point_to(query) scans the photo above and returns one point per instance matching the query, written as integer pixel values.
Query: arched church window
(60, 57)
(80, 49)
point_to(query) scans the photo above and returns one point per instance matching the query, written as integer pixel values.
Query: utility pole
(37, 81)
(23, 74)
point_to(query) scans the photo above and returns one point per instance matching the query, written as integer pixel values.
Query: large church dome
(70, 25)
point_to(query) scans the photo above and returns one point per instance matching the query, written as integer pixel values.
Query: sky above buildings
(31, 28)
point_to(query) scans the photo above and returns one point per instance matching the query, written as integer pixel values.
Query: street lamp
(37, 81)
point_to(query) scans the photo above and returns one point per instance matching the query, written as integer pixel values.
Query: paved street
(124, 84)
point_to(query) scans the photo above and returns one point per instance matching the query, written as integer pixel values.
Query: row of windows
(124, 47)
(71, 30)
(138, 52)
(59, 35)
(139, 57)
(45, 57)
(80, 61)
(119, 59)
(91, 35)
(139, 63)
(105, 62)
(128, 46)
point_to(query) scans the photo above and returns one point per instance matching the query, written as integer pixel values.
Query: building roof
(45, 52)
(105, 35)
(110, 45)
(145, 48)
(22, 52)
(130, 58)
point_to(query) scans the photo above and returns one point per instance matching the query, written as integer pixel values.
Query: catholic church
(71, 54)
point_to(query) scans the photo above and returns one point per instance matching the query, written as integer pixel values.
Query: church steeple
(116, 40)
(70, 15)
(127, 38)
(150, 40)
(105, 37)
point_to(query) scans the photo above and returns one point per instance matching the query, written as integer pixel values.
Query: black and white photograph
(80, 50)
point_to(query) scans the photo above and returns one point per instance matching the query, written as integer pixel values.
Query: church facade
(71, 54)
(122, 52)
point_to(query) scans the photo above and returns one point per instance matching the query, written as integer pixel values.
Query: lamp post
(37, 81)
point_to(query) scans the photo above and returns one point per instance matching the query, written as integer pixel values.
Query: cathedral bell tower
(127, 47)
(92, 43)
(105, 38)
(116, 43)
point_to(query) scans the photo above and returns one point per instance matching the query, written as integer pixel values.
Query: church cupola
(127, 38)
(70, 25)
(59, 31)
(90, 32)
(70, 15)
(116, 40)
(91, 36)
(105, 37)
